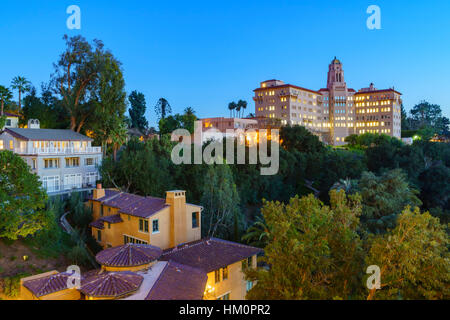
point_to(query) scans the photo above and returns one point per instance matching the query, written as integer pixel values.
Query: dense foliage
(22, 199)
(317, 251)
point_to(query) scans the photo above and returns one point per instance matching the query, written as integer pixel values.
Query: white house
(63, 159)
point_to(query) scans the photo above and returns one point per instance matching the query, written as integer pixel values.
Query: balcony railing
(63, 188)
(63, 151)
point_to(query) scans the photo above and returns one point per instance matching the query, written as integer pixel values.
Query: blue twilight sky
(205, 54)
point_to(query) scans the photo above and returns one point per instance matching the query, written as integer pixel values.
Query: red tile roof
(286, 86)
(179, 282)
(209, 254)
(128, 255)
(9, 114)
(99, 223)
(111, 284)
(132, 204)
(47, 285)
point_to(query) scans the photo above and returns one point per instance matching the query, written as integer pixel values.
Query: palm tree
(5, 96)
(22, 85)
(242, 105)
(258, 234)
(117, 138)
(347, 185)
(189, 111)
(232, 106)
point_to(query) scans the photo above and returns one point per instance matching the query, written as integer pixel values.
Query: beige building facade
(334, 112)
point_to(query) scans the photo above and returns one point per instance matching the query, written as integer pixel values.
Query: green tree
(137, 111)
(163, 108)
(109, 102)
(21, 84)
(413, 259)
(5, 97)
(435, 187)
(241, 105)
(258, 233)
(75, 76)
(221, 216)
(384, 197)
(22, 199)
(188, 119)
(232, 107)
(314, 250)
(299, 138)
(425, 114)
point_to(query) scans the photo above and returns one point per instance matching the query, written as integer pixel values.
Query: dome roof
(111, 284)
(128, 255)
(335, 61)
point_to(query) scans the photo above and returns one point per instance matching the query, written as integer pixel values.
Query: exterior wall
(132, 269)
(235, 285)
(161, 239)
(68, 294)
(89, 173)
(12, 122)
(378, 112)
(175, 225)
(329, 113)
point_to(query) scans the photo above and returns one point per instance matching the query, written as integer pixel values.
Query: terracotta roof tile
(47, 285)
(99, 223)
(209, 254)
(179, 282)
(111, 284)
(128, 255)
(132, 204)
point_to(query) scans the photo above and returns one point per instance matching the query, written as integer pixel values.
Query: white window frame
(157, 231)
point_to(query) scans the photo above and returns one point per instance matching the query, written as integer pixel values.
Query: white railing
(44, 151)
(69, 187)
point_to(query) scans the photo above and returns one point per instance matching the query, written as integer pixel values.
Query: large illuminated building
(334, 112)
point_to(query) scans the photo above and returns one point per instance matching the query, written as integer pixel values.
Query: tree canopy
(22, 199)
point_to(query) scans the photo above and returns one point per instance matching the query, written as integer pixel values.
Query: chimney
(178, 216)
(99, 192)
(34, 124)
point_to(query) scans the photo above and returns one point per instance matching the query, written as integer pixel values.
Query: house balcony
(58, 151)
(58, 189)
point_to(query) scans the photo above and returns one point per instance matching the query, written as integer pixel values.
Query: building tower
(340, 104)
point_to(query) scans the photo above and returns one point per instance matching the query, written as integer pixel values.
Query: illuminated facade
(334, 112)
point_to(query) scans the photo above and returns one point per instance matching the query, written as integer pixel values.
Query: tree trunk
(20, 98)
(73, 124)
(1, 114)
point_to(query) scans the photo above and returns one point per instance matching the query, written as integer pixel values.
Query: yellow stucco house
(152, 251)
(120, 218)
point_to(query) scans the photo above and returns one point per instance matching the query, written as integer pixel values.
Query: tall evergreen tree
(137, 111)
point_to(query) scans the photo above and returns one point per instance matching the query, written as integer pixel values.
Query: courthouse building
(334, 112)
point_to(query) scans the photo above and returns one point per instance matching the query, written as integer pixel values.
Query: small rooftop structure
(48, 284)
(111, 285)
(128, 255)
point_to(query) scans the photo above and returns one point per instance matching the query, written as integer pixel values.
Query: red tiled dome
(111, 284)
(128, 255)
